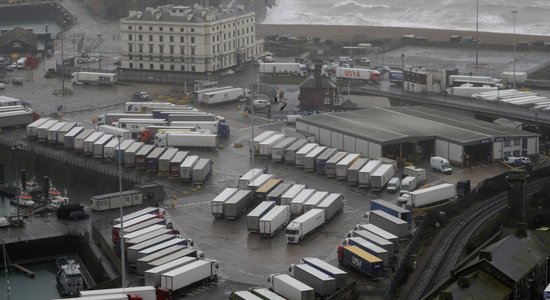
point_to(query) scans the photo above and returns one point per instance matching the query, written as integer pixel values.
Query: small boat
(24, 199)
(68, 277)
(55, 198)
(32, 186)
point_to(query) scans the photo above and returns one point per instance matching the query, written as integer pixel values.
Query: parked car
(12, 67)
(17, 81)
(261, 103)
(2, 85)
(78, 215)
(517, 161)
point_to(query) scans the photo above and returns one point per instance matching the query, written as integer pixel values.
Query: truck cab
(394, 185)
(441, 165)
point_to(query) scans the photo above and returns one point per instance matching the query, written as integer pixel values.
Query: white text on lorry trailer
(274, 220)
(184, 276)
(290, 288)
(429, 195)
(93, 78)
(323, 284)
(304, 224)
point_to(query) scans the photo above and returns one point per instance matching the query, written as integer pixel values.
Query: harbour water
(494, 15)
(42, 286)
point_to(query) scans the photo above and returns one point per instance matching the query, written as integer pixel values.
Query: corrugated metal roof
(411, 123)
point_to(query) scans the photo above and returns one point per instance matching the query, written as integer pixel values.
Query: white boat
(69, 277)
(25, 200)
(55, 198)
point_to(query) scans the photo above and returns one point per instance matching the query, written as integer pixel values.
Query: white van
(261, 103)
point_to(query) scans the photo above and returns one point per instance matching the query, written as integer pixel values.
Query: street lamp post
(252, 96)
(477, 34)
(122, 250)
(514, 13)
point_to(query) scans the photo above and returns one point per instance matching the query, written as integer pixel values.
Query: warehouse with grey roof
(413, 132)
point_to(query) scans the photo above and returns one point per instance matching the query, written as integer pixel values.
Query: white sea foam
(494, 15)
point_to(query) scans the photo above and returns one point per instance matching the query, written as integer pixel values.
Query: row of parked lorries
(311, 279)
(275, 203)
(104, 144)
(168, 262)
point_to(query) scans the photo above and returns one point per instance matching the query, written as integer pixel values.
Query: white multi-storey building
(188, 39)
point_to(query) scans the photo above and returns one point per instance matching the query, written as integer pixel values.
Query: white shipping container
(97, 147)
(63, 131)
(124, 133)
(366, 171)
(253, 217)
(217, 202)
(378, 231)
(331, 205)
(248, 177)
(353, 170)
(266, 145)
(32, 128)
(186, 167)
(290, 288)
(311, 158)
(304, 224)
(343, 165)
(255, 143)
(389, 223)
(314, 200)
(278, 151)
(79, 139)
(89, 142)
(259, 181)
(165, 159)
(130, 154)
(375, 239)
(290, 152)
(152, 276)
(188, 274)
(380, 177)
(297, 204)
(274, 220)
(330, 165)
(201, 170)
(110, 148)
(42, 130)
(301, 154)
(52, 132)
(292, 193)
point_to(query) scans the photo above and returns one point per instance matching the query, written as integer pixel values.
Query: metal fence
(109, 170)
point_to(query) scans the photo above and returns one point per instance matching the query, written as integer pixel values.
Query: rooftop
(411, 123)
(480, 285)
(187, 14)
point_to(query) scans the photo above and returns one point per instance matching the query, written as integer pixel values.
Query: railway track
(447, 254)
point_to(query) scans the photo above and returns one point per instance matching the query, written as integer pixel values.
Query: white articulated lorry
(184, 276)
(283, 68)
(290, 288)
(93, 78)
(380, 177)
(187, 140)
(274, 220)
(304, 224)
(224, 95)
(430, 195)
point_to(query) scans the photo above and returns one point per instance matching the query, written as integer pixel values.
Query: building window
(139, 27)
(182, 39)
(140, 48)
(507, 143)
(161, 58)
(130, 57)
(507, 154)
(192, 50)
(182, 50)
(517, 142)
(150, 28)
(141, 57)
(172, 68)
(161, 38)
(181, 29)
(140, 37)
(517, 153)
(150, 57)
(162, 66)
(130, 27)
(171, 58)
(327, 100)
(171, 49)
(161, 48)
(171, 28)
(192, 68)
(171, 39)
(130, 37)
(160, 28)
(192, 40)
(141, 66)
(183, 67)
(150, 48)
(213, 49)
(131, 66)
(130, 48)
(151, 66)
(224, 36)
(150, 38)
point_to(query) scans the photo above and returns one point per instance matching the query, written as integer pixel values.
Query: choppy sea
(494, 15)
